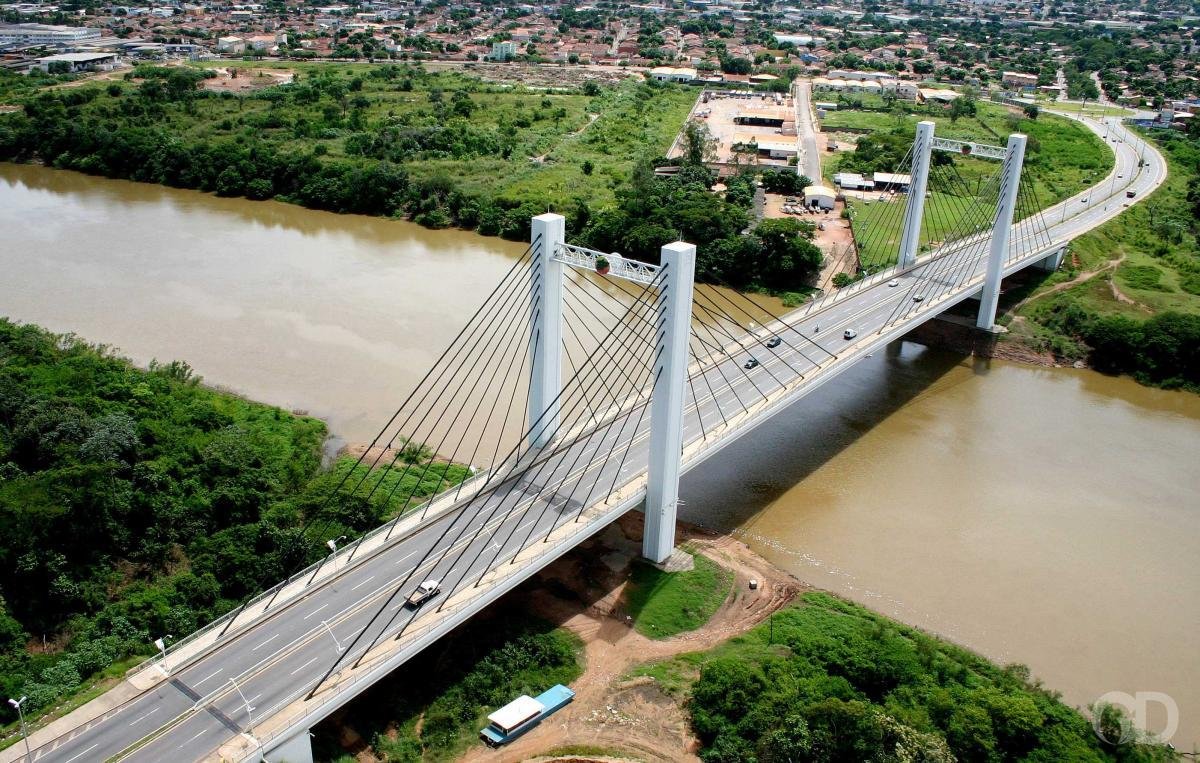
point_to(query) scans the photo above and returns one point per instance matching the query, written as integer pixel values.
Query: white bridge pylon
(674, 276)
(1013, 157)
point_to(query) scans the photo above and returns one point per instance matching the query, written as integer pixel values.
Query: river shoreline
(1070, 484)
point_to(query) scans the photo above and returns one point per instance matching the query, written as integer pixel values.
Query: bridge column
(545, 337)
(666, 404)
(914, 211)
(1014, 158)
(297, 749)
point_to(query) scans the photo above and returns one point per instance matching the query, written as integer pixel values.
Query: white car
(849, 334)
(894, 282)
(918, 297)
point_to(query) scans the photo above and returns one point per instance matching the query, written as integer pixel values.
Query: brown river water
(1042, 516)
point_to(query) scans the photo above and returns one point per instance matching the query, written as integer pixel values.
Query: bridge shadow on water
(748, 475)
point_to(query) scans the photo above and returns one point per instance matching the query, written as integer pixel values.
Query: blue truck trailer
(523, 713)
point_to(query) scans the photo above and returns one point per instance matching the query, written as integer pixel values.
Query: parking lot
(723, 108)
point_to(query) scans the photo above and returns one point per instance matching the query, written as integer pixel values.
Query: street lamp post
(24, 733)
(332, 543)
(249, 709)
(161, 643)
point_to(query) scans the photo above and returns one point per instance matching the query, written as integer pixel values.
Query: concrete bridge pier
(296, 749)
(1053, 261)
(1014, 158)
(666, 403)
(547, 233)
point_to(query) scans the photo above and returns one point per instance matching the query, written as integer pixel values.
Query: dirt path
(634, 717)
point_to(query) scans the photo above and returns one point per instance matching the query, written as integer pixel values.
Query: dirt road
(633, 717)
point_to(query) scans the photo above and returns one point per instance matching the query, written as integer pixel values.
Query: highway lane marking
(85, 752)
(260, 646)
(315, 611)
(212, 675)
(147, 715)
(185, 744)
(305, 665)
(360, 585)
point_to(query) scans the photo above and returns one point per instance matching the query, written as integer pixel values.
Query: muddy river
(1042, 516)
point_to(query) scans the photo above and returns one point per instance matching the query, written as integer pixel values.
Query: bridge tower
(1010, 180)
(667, 400)
(547, 234)
(914, 212)
(674, 276)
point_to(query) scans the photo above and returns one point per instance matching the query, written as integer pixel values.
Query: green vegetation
(440, 148)
(1134, 301)
(136, 503)
(664, 604)
(432, 707)
(827, 680)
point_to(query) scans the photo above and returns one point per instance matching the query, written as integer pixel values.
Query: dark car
(751, 363)
(773, 342)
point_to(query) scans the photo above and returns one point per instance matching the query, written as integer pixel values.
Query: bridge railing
(336, 563)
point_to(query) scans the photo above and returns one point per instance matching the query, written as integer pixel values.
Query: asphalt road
(811, 159)
(281, 657)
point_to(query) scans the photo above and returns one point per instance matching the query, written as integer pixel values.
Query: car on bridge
(773, 342)
(849, 334)
(751, 363)
(426, 591)
(918, 298)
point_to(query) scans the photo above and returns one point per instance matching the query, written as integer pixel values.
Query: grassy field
(1062, 158)
(1087, 109)
(1143, 263)
(664, 604)
(505, 142)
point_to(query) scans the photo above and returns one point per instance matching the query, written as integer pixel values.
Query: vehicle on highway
(426, 591)
(1130, 193)
(1083, 200)
(894, 282)
(773, 342)
(849, 334)
(522, 714)
(751, 363)
(918, 298)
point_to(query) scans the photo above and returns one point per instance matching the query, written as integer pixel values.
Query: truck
(522, 714)
(1130, 193)
(425, 591)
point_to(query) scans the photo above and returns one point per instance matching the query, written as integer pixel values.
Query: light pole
(24, 733)
(249, 709)
(332, 543)
(337, 643)
(161, 643)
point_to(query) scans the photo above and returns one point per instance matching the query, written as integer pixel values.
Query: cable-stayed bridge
(575, 397)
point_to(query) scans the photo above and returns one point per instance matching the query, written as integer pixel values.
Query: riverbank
(999, 466)
(644, 698)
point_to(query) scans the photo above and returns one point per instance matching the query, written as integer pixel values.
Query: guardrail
(225, 622)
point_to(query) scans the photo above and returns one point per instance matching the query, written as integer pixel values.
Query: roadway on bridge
(275, 660)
